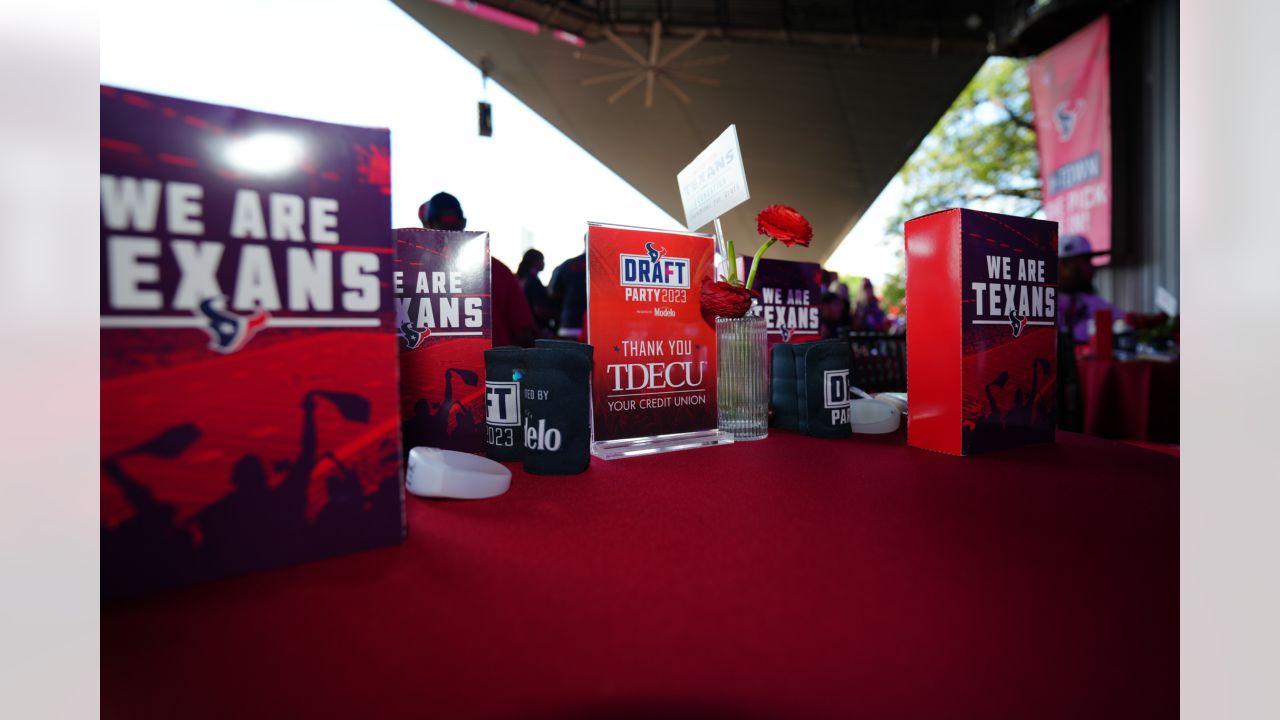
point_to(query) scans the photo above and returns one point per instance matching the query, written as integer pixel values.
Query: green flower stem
(755, 263)
(733, 262)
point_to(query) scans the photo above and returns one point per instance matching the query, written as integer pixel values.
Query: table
(790, 577)
(1130, 399)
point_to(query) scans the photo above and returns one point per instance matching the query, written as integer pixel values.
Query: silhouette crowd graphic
(428, 423)
(1029, 417)
(255, 525)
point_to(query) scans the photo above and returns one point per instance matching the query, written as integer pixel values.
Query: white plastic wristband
(452, 474)
(873, 417)
(896, 399)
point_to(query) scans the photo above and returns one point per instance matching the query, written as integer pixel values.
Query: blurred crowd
(841, 315)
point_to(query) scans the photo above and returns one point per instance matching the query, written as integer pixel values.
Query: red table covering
(1130, 399)
(790, 577)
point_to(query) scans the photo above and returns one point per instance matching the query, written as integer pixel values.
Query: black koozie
(503, 374)
(572, 345)
(823, 384)
(556, 406)
(783, 394)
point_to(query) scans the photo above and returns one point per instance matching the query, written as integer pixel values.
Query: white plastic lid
(452, 474)
(873, 417)
(896, 399)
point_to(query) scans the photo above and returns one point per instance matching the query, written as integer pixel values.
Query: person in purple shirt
(867, 314)
(1077, 298)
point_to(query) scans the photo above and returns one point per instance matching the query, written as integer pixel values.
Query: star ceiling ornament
(638, 69)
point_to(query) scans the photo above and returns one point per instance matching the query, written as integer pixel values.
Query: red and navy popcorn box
(444, 320)
(250, 404)
(982, 349)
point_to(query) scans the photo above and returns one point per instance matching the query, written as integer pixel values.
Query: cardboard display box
(445, 322)
(982, 344)
(250, 408)
(790, 298)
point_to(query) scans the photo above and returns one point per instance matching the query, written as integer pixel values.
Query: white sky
(365, 62)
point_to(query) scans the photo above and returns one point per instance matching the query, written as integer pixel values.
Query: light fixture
(270, 153)
(652, 70)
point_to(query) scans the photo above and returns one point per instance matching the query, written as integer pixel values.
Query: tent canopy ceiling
(829, 102)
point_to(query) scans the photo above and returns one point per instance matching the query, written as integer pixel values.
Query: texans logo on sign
(1019, 323)
(786, 333)
(229, 331)
(1064, 118)
(411, 337)
(655, 253)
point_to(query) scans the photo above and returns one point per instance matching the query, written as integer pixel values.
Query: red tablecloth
(1130, 400)
(790, 577)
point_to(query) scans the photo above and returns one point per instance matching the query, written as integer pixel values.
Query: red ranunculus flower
(785, 225)
(722, 299)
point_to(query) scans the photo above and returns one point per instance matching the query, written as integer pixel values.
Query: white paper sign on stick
(715, 182)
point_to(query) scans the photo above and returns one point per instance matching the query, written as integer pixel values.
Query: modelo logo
(540, 437)
(502, 403)
(654, 269)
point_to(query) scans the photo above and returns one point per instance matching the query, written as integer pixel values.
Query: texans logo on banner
(1071, 99)
(1064, 117)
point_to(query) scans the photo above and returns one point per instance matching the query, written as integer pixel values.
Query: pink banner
(1071, 94)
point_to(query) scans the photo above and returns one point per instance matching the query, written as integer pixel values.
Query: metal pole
(722, 255)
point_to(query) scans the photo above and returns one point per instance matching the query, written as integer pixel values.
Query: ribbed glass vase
(742, 381)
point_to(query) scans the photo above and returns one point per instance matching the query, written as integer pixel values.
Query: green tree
(894, 290)
(981, 154)
(853, 282)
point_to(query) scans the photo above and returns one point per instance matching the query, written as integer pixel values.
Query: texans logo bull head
(655, 253)
(1019, 323)
(228, 331)
(1064, 118)
(786, 333)
(411, 336)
